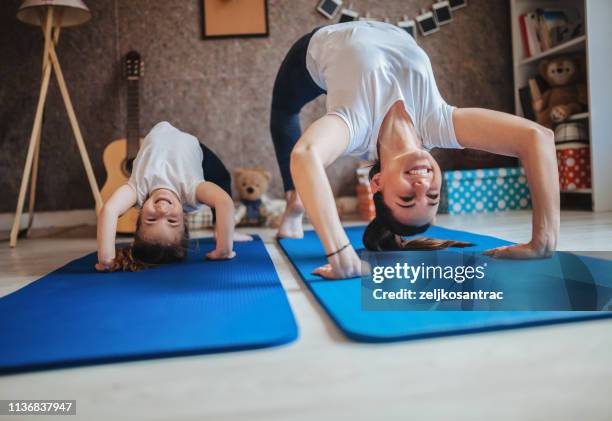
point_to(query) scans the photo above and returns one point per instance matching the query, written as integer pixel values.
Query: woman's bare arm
(321, 144)
(121, 200)
(534, 145)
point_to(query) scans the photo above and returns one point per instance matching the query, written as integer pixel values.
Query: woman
(382, 101)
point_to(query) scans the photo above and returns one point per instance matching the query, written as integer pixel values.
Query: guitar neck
(133, 117)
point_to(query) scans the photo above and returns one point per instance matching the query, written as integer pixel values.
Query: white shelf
(575, 44)
(579, 191)
(596, 43)
(579, 116)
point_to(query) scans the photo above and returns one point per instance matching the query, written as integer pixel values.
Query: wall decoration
(409, 26)
(348, 15)
(234, 18)
(442, 12)
(457, 4)
(329, 8)
(428, 21)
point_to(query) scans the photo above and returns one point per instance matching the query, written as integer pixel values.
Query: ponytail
(126, 262)
(378, 237)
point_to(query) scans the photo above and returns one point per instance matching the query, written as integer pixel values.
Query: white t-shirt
(368, 66)
(171, 159)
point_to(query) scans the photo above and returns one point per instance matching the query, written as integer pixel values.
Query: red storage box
(574, 162)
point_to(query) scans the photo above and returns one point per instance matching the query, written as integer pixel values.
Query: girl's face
(410, 186)
(161, 218)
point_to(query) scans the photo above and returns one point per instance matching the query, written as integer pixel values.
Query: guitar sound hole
(127, 166)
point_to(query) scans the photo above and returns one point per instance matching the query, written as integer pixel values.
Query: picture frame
(427, 23)
(348, 15)
(329, 8)
(457, 4)
(409, 26)
(234, 19)
(442, 12)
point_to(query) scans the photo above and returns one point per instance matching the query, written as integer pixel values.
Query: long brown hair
(378, 237)
(142, 254)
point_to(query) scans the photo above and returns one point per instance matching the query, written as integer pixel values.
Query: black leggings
(293, 88)
(215, 172)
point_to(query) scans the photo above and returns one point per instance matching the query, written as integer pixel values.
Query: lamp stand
(51, 29)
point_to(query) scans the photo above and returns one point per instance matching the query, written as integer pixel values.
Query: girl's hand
(106, 266)
(345, 264)
(217, 254)
(521, 251)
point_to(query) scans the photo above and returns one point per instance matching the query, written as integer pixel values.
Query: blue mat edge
(279, 341)
(359, 337)
(144, 357)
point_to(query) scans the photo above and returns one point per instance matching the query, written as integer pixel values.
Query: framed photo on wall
(234, 18)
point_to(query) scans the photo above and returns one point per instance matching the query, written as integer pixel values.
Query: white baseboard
(54, 219)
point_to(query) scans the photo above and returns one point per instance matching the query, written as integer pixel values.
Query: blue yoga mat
(76, 316)
(342, 298)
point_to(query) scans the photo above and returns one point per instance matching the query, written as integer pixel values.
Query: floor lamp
(50, 15)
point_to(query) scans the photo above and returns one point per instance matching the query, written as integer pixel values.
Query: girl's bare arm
(534, 145)
(321, 144)
(120, 201)
(214, 196)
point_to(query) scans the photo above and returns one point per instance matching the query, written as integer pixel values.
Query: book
(531, 24)
(543, 31)
(523, 28)
(535, 90)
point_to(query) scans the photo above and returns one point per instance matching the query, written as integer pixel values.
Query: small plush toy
(567, 94)
(346, 206)
(254, 209)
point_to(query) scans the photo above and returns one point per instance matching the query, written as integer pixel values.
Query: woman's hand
(221, 254)
(531, 250)
(345, 264)
(534, 145)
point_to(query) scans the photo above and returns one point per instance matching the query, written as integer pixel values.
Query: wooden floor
(555, 372)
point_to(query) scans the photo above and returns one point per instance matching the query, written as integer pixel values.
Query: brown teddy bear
(254, 209)
(567, 94)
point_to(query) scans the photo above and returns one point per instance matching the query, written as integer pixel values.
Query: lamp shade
(72, 12)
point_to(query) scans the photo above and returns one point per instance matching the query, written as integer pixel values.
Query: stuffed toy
(567, 94)
(346, 206)
(254, 209)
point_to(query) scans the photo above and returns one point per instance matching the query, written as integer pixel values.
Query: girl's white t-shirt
(171, 159)
(366, 67)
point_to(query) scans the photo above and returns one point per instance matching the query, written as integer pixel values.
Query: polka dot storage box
(574, 162)
(484, 190)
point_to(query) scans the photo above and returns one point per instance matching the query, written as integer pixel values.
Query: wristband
(338, 251)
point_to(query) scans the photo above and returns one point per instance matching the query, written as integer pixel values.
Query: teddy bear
(567, 93)
(254, 208)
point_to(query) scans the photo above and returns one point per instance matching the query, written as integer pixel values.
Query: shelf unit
(597, 46)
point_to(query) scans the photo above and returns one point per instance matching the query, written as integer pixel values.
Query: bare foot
(291, 224)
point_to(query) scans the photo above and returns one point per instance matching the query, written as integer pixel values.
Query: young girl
(383, 102)
(167, 180)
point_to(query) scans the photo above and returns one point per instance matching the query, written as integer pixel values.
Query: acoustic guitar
(119, 155)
